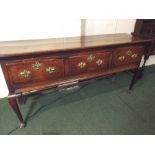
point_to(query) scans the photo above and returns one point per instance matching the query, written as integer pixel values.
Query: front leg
(134, 78)
(147, 53)
(142, 68)
(13, 103)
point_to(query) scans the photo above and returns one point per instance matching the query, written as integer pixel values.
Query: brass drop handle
(134, 55)
(121, 58)
(37, 65)
(91, 58)
(25, 73)
(99, 62)
(81, 64)
(50, 69)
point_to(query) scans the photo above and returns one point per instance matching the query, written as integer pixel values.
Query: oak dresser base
(34, 66)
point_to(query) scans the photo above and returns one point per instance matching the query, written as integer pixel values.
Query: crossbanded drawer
(35, 70)
(89, 62)
(127, 55)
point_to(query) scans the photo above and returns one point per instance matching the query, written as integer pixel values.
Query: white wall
(38, 28)
(109, 26)
(42, 27)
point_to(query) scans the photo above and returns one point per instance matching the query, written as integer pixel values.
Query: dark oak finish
(89, 62)
(36, 65)
(33, 47)
(38, 70)
(131, 54)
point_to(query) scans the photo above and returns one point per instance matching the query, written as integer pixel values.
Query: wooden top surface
(25, 47)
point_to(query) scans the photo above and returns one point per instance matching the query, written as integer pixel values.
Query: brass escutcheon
(81, 64)
(50, 69)
(91, 58)
(25, 73)
(37, 65)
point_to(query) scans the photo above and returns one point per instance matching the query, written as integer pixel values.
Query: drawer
(127, 55)
(35, 70)
(89, 62)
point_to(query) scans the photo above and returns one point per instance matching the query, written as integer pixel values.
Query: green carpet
(102, 107)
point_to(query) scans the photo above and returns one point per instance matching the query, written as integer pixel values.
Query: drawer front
(89, 62)
(36, 70)
(127, 55)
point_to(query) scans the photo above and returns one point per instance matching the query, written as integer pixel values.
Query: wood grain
(36, 65)
(25, 47)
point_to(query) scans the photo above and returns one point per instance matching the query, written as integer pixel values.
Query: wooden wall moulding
(37, 65)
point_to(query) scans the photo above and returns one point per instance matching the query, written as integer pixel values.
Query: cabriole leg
(15, 107)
